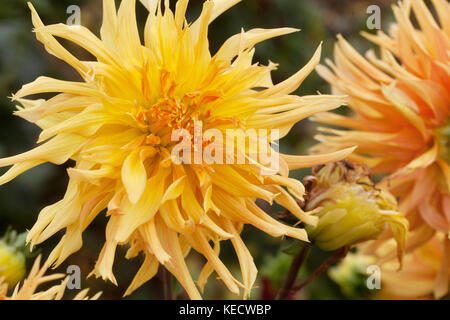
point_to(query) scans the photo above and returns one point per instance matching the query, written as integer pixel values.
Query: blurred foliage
(22, 59)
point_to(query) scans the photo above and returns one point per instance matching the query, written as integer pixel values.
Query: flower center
(169, 112)
(443, 137)
(160, 116)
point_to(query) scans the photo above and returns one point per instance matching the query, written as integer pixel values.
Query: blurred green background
(22, 59)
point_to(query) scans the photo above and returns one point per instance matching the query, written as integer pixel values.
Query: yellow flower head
(118, 125)
(37, 277)
(12, 257)
(401, 105)
(350, 208)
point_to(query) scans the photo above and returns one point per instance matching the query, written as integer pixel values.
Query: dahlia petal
(180, 13)
(207, 269)
(208, 204)
(393, 96)
(135, 215)
(238, 211)
(48, 85)
(248, 268)
(84, 38)
(146, 272)
(86, 124)
(54, 47)
(322, 103)
(359, 61)
(446, 208)
(134, 176)
(128, 41)
(295, 187)
(103, 267)
(91, 176)
(67, 214)
(230, 180)
(290, 204)
(175, 190)
(71, 242)
(423, 161)
(399, 226)
(442, 280)
(151, 5)
(18, 169)
(245, 40)
(433, 217)
(292, 84)
(296, 233)
(446, 171)
(220, 6)
(202, 244)
(170, 213)
(150, 235)
(177, 265)
(60, 103)
(195, 211)
(443, 11)
(299, 162)
(108, 30)
(58, 151)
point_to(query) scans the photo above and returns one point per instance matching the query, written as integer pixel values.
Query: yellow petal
(299, 162)
(290, 85)
(58, 150)
(245, 40)
(134, 176)
(146, 272)
(54, 47)
(175, 189)
(108, 31)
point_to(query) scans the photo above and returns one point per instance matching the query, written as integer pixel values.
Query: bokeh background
(23, 59)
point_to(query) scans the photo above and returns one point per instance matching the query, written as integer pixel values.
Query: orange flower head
(401, 112)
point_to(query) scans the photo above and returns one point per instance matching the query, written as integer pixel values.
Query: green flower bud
(350, 207)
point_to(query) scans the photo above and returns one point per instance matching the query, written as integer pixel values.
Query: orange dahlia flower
(425, 274)
(401, 106)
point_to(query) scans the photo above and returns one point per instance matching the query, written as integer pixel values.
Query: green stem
(167, 281)
(296, 264)
(338, 255)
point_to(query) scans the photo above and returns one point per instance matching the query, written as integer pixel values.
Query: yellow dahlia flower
(401, 105)
(426, 272)
(350, 208)
(37, 277)
(118, 126)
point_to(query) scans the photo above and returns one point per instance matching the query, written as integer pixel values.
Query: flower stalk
(297, 262)
(338, 255)
(167, 282)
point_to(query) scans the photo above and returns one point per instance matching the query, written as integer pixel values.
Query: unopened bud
(350, 207)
